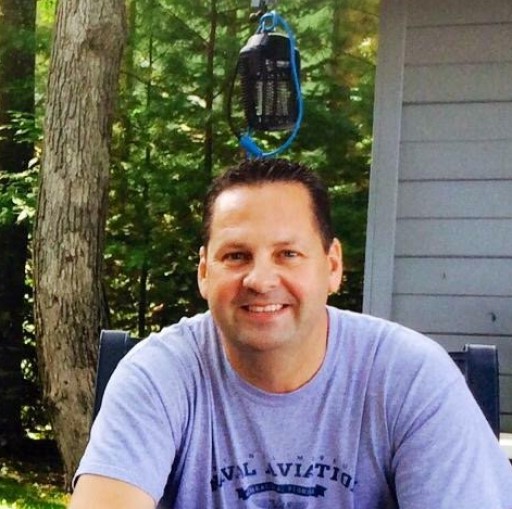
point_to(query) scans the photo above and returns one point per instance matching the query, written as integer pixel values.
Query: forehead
(269, 208)
(247, 198)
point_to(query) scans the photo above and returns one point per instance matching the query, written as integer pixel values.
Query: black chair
(478, 363)
(113, 347)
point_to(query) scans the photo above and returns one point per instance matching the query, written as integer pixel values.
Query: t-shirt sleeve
(134, 437)
(445, 454)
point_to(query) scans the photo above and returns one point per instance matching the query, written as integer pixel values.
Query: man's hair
(262, 171)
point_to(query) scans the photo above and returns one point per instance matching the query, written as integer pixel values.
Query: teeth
(271, 308)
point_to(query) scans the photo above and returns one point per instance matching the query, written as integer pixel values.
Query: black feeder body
(269, 94)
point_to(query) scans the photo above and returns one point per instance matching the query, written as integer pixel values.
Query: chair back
(114, 345)
(479, 364)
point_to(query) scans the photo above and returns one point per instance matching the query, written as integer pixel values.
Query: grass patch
(27, 489)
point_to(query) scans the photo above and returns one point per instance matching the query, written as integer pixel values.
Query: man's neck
(279, 371)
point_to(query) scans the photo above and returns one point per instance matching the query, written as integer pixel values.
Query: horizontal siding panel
(456, 160)
(479, 199)
(454, 315)
(457, 83)
(457, 237)
(454, 276)
(459, 44)
(457, 122)
(458, 12)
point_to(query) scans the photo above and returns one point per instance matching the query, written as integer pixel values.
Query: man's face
(265, 273)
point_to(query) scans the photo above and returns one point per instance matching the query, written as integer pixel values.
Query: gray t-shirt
(386, 423)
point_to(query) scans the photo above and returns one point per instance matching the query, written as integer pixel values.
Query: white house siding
(440, 215)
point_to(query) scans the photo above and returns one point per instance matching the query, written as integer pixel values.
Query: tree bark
(71, 212)
(17, 64)
(210, 91)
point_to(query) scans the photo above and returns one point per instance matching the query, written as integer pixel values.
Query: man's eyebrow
(285, 243)
(236, 244)
(233, 245)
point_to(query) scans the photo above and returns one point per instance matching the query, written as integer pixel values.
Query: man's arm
(94, 491)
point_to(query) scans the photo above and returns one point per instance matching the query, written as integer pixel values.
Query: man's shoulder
(197, 328)
(194, 329)
(365, 331)
(383, 341)
(181, 345)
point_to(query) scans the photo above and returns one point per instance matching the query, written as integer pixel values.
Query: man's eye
(289, 253)
(235, 256)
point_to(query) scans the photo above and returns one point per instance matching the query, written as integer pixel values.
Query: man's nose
(262, 277)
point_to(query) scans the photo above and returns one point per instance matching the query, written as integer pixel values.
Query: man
(272, 399)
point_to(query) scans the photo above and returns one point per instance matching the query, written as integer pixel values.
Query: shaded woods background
(170, 136)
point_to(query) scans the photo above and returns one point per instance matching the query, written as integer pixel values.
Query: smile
(269, 308)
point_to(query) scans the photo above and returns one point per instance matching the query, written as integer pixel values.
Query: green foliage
(161, 169)
(18, 190)
(17, 201)
(171, 137)
(18, 183)
(25, 491)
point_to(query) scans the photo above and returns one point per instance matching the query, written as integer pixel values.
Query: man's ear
(202, 280)
(335, 256)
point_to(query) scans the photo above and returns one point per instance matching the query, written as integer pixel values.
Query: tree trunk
(17, 63)
(71, 212)
(210, 91)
